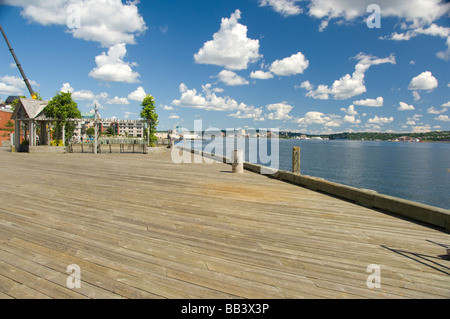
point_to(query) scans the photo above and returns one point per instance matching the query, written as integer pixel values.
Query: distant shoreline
(290, 138)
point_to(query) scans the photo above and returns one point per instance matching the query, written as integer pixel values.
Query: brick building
(5, 116)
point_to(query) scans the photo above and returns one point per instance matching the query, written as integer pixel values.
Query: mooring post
(296, 160)
(238, 161)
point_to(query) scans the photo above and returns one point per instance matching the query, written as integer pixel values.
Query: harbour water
(413, 171)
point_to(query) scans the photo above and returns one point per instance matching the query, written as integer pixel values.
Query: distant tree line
(437, 136)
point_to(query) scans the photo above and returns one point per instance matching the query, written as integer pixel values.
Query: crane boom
(30, 89)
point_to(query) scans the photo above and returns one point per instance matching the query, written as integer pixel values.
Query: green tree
(90, 131)
(110, 130)
(14, 103)
(9, 128)
(62, 108)
(148, 113)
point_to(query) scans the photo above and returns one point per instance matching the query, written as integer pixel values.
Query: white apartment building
(130, 128)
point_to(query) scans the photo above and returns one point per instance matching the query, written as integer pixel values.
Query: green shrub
(57, 143)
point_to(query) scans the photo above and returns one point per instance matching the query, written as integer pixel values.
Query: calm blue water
(413, 171)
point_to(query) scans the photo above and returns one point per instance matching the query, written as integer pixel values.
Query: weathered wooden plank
(14, 289)
(232, 285)
(201, 233)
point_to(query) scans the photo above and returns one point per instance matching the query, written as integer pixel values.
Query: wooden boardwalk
(140, 226)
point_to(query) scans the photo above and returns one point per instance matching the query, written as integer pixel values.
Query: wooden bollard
(238, 161)
(296, 160)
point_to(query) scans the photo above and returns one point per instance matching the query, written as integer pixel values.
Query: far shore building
(162, 135)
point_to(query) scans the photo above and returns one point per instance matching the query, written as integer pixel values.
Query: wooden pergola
(31, 112)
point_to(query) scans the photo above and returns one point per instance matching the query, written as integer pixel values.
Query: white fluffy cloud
(419, 14)
(10, 89)
(108, 21)
(351, 119)
(167, 107)
(279, 111)
(350, 110)
(83, 95)
(305, 85)
(138, 94)
(13, 85)
(431, 30)
(313, 117)
(67, 88)
(118, 101)
(443, 118)
(405, 107)
(295, 64)
(250, 112)
(349, 85)
(88, 95)
(261, 75)
(231, 78)
(378, 102)
(432, 110)
(424, 81)
(230, 47)
(414, 120)
(350, 116)
(421, 129)
(284, 7)
(112, 68)
(418, 11)
(416, 95)
(381, 120)
(207, 100)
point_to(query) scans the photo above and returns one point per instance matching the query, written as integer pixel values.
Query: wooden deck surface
(140, 226)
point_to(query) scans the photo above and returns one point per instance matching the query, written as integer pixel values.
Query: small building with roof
(10, 99)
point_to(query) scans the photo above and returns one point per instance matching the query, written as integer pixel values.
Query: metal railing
(112, 145)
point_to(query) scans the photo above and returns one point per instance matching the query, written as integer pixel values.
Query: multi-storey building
(129, 128)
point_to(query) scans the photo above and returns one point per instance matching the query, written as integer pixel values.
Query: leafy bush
(57, 143)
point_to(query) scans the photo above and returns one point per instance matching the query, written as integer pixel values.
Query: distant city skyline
(317, 67)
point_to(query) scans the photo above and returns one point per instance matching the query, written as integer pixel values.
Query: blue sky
(316, 66)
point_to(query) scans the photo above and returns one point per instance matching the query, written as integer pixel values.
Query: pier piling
(238, 161)
(296, 160)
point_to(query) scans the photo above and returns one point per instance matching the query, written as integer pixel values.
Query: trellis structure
(31, 112)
